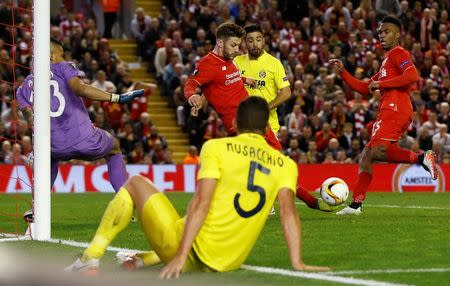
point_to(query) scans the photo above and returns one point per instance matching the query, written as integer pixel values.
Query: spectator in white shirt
(102, 83)
(432, 124)
(163, 56)
(67, 25)
(5, 151)
(443, 137)
(15, 156)
(296, 120)
(139, 26)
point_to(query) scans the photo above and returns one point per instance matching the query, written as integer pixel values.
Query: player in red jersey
(220, 80)
(223, 87)
(393, 80)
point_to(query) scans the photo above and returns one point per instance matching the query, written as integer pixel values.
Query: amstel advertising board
(182, 178)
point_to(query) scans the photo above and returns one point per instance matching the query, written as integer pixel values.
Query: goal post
(41, 228)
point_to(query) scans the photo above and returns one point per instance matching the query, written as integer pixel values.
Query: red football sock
(359, 194)
(303, 195)
(395, 154)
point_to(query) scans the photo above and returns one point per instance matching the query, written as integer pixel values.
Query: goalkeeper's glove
(126, 97)
(323, 206)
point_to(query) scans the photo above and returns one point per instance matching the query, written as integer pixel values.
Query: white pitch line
(268, 270)
(65, 242)
(317, 276)
(13, 239)
(382, 271)
(85, 244)
(408, 207)
(394, 207)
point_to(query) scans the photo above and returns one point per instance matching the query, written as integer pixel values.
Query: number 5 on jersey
(252, 188)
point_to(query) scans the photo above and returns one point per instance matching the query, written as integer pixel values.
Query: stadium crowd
(102, 67)
(323, 122)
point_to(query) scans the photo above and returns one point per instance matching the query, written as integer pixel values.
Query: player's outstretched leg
(428, 162)
(116, 217)
(311, 201)
(116, 167)
(54, 170)
(303, 195)
(28, 216)
(364, 179)
(359, 194)
(395, 154)
(117, 172)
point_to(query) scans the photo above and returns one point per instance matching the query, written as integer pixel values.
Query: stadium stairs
(161, 115)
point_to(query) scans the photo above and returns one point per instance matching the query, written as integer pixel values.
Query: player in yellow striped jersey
(238, 181)
(270, 83)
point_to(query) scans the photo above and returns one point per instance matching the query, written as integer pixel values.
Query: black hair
(253, 28)
(56, 42)
(392, 20)
(252, 114)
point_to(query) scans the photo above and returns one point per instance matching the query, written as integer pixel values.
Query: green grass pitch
(408, 232)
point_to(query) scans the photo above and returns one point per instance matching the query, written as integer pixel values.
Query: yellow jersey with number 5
(270, 77)
(250, 173)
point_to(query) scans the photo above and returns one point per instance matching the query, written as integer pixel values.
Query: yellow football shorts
(164, 228)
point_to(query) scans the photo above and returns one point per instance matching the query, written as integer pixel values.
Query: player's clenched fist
(339, 66)
(126, 97)
(195, 101)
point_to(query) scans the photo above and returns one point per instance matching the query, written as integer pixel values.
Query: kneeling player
(236, 189)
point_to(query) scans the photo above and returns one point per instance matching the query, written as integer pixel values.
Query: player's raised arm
(196, 214)
(90, 92)
(291, 229)
(356, 84)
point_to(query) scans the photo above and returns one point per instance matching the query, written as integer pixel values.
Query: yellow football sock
(116, 217)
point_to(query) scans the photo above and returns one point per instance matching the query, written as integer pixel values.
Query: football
(334, 191)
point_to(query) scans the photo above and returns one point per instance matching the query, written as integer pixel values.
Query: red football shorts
(272, 139)
(227, 121)
(270, 136)
(388, 126)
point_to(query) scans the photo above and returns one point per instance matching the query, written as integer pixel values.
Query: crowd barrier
(182, 178)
